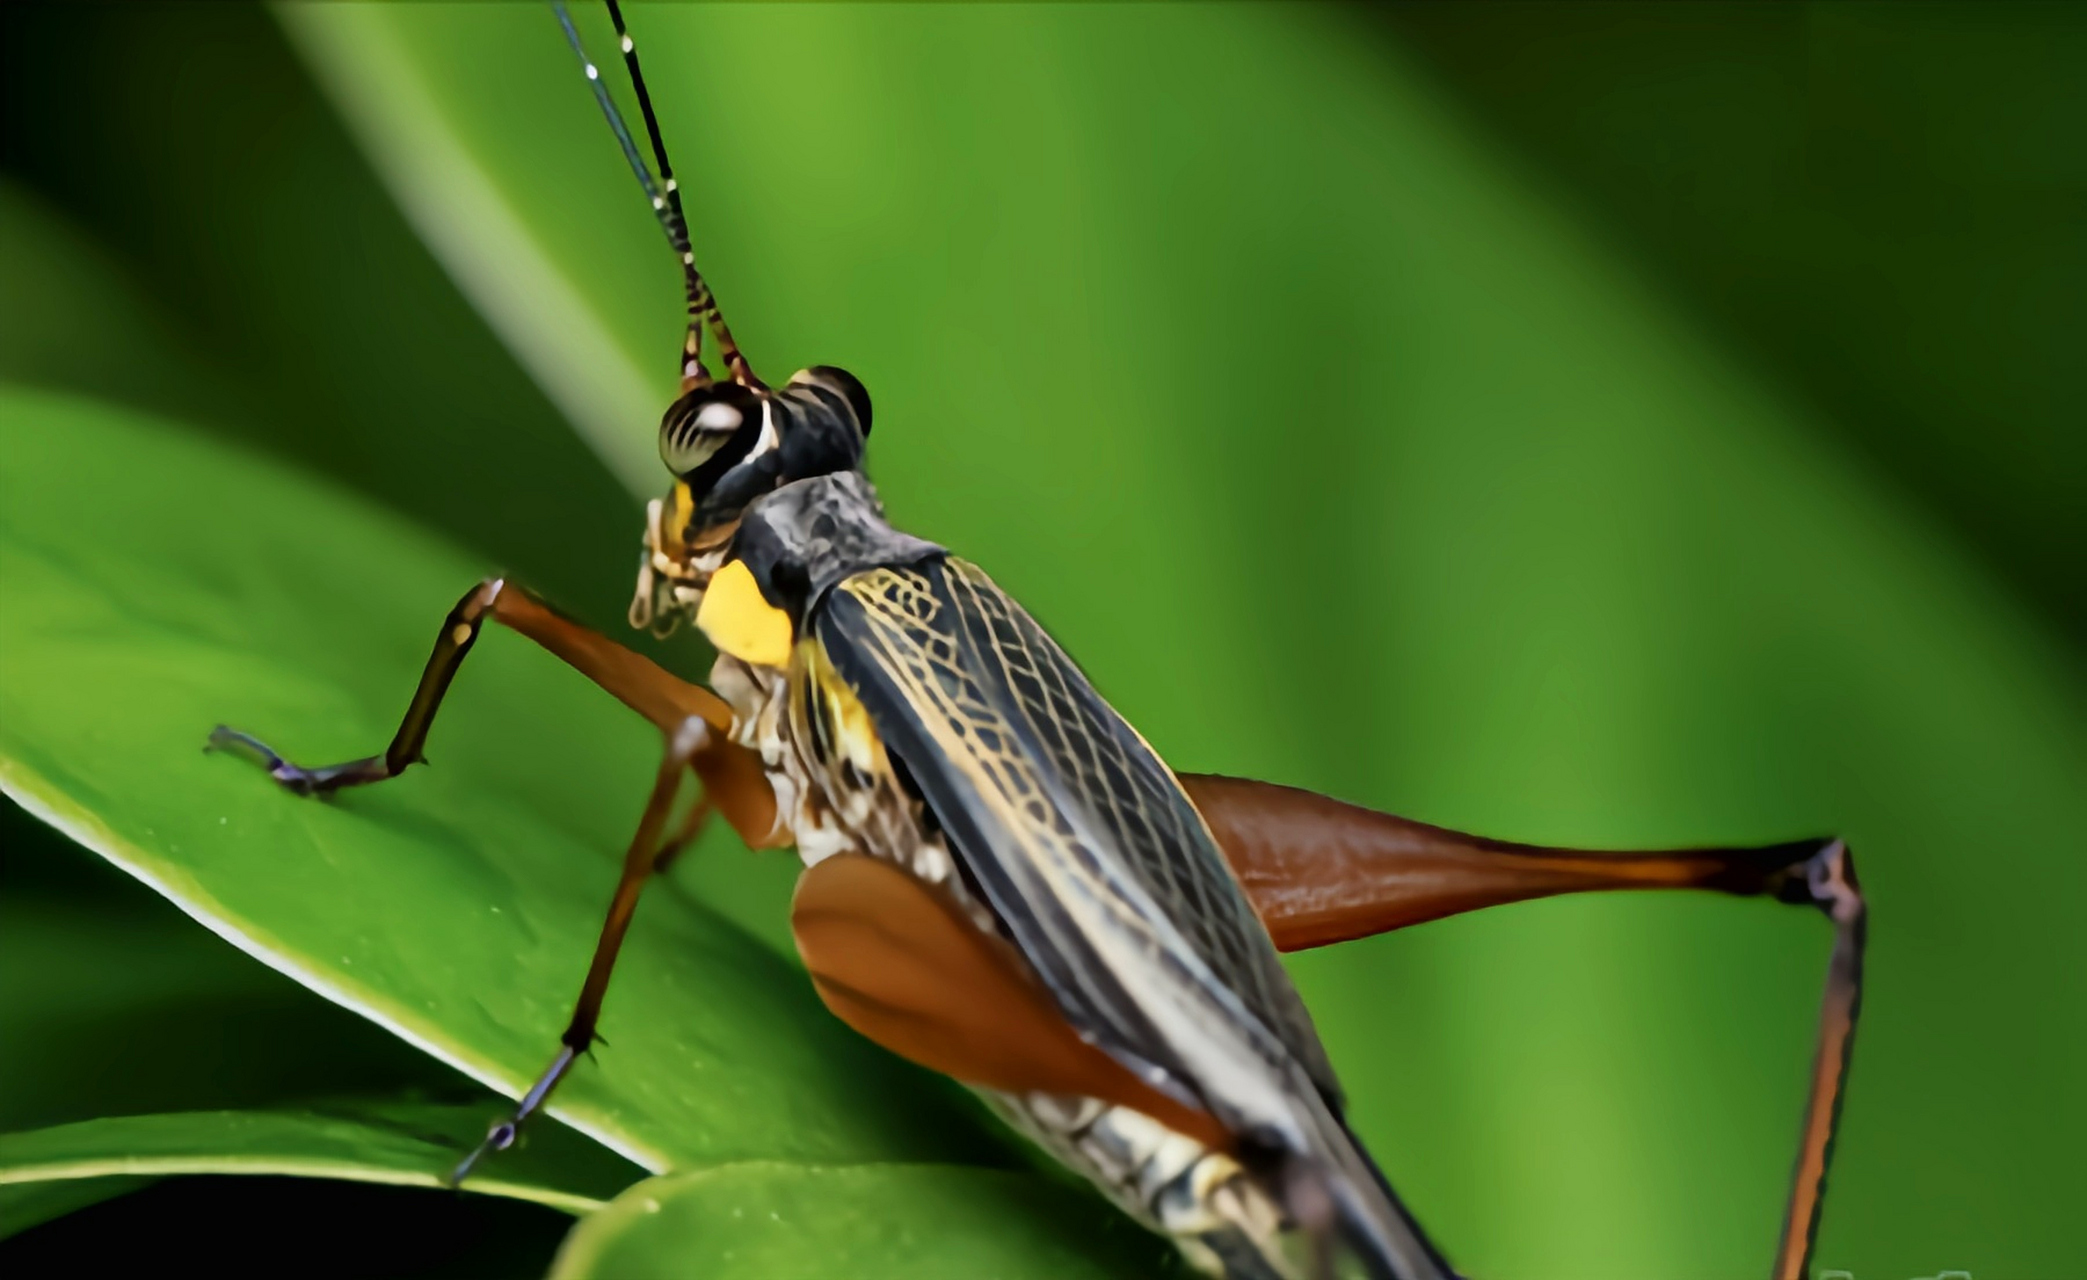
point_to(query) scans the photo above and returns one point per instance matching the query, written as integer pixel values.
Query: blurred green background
(1580, 423)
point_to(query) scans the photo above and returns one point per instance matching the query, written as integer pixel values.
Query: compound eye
(701, 423)
(851, 390)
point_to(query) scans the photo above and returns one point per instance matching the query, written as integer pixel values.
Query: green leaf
(542, 312)
(94, 964)
(157, 585)
(1340, 454)
(1876, 203)
(273, 295)
(30, 1204)
(403, 1144)
(889, 1222)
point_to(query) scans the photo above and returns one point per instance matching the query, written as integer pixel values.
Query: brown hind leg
(1321, 871)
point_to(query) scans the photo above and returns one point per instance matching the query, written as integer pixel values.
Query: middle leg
(647, 853)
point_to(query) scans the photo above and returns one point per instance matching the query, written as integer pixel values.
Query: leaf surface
(400, 1143)
(889, 1222)
(158, 584)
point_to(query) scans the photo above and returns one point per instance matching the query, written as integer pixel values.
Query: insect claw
(226, 738)
(498, 1138)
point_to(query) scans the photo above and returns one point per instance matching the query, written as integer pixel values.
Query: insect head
(728, 444)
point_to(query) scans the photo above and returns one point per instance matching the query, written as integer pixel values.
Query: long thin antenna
(665, 195)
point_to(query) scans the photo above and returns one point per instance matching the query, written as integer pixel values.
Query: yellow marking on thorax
(741, 622)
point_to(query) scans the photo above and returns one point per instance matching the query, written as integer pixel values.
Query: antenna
(665, 195)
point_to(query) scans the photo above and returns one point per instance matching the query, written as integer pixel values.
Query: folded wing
(1102, 872)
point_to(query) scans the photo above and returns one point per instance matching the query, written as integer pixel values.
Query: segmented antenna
(665, 195)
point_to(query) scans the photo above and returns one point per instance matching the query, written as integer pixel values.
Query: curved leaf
(1876, 204)
(32, 1204)
(403, 1144)
(94, 965)
(314, 325)
(543, 314)
(156, 585)
(889, 1222)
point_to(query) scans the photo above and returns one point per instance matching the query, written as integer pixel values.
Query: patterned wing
(1072, 829)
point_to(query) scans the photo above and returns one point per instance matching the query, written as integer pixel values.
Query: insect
(1003, 882)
